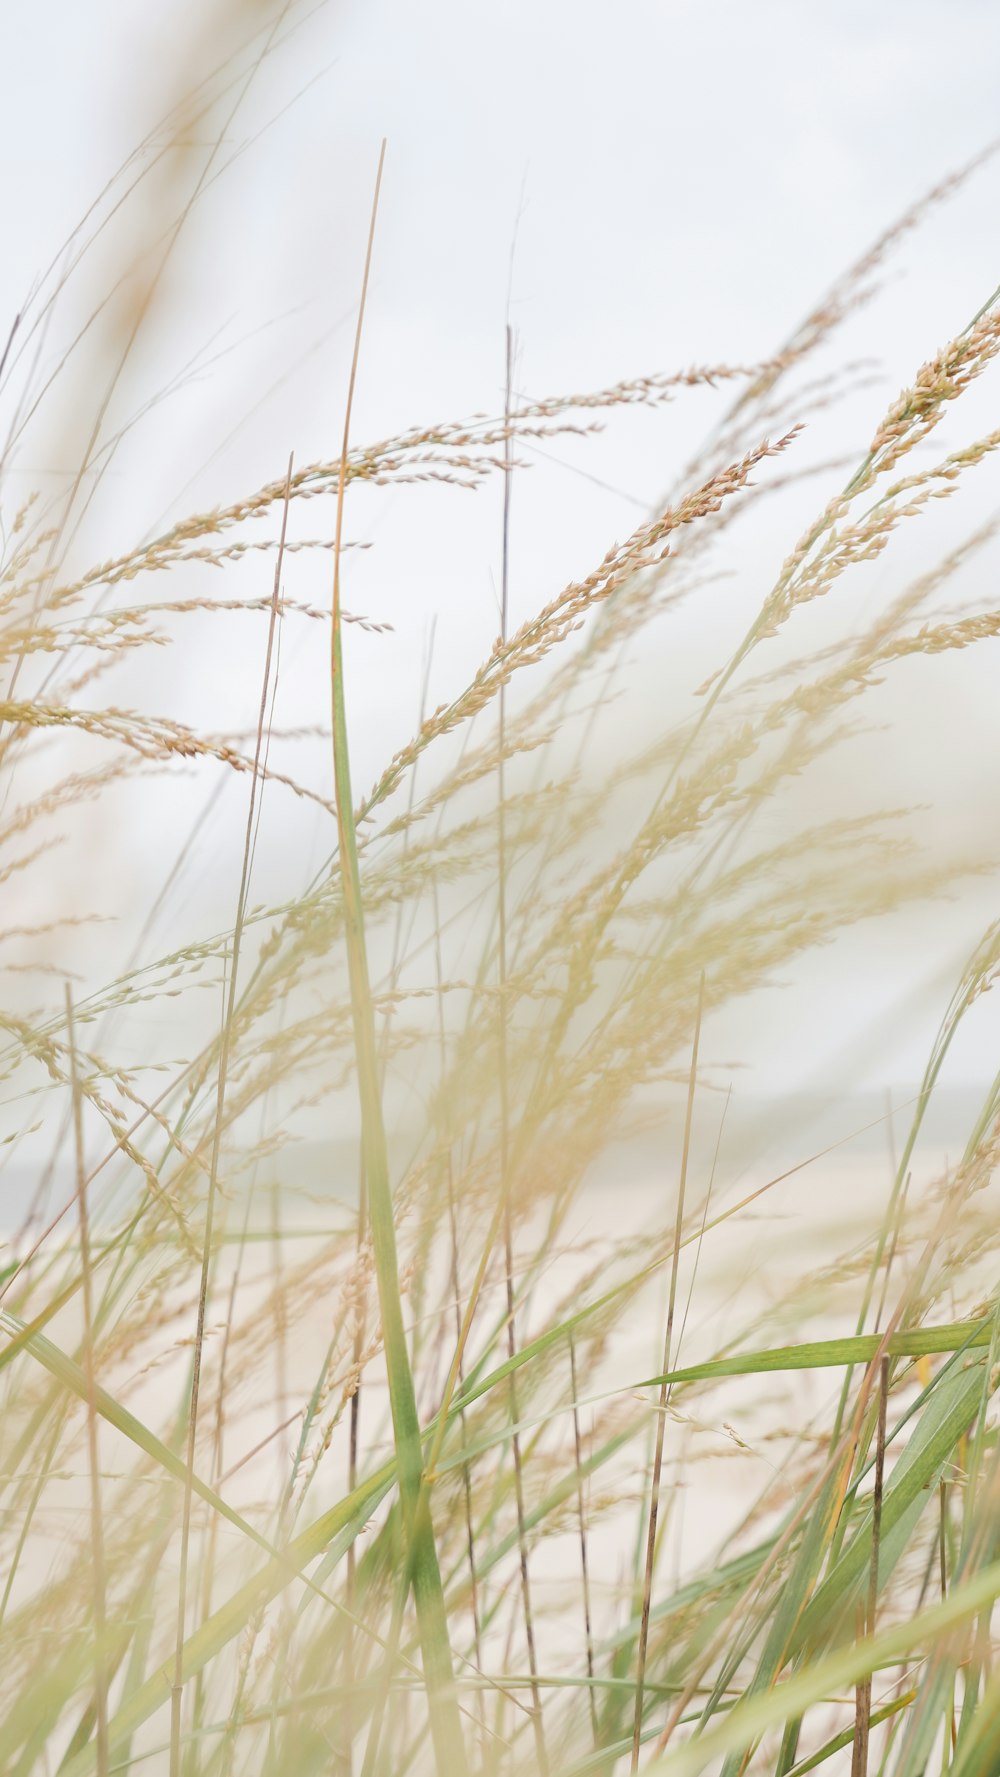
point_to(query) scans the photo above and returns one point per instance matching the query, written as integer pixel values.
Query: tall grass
(486, 1463)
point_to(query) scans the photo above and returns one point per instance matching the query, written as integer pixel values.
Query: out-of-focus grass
(364, 1481)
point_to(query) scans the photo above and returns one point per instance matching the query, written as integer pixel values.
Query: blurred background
(630, 193)
(676, 188)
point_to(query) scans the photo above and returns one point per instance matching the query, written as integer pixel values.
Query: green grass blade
(915, 1476)
(825, 1354)
(748, 1720)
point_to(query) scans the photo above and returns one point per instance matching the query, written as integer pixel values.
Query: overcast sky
(656, 184)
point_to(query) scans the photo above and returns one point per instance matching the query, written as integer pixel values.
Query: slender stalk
(208, 1568)
(93, 1454)
(470, 1539)
(360, 1316)
(654, 1495)
(422, 1553)
(504, 1086)
(582, 1521)
(353, 1438)
(951, 1726)
(10, 341)
(225, 1043)
(863, 1694)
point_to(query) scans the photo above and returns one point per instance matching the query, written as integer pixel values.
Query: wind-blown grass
(299, 1477)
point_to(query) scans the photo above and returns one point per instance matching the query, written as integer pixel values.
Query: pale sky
(659, 184)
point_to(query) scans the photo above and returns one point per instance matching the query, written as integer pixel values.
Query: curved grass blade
(825, 1354)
